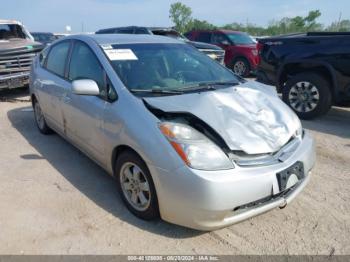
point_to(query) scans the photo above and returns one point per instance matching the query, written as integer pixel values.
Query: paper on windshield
(120, 54)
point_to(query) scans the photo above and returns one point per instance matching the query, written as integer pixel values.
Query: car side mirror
(86, 87)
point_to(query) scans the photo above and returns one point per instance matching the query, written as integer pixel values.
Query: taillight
(259, 46)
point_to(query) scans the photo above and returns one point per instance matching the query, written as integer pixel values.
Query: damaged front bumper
(15, 80)
(208, 200)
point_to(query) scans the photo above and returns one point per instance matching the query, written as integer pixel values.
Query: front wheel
(241, 67)
(136, 186)
(308, 94)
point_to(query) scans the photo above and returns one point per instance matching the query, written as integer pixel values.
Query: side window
(218, 38)
(56, 60)
(85, 65)
(43, 55)
(140, 31)
(204, 37)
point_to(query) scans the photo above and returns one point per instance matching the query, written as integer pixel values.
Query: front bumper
(14, 80)
(207, 200)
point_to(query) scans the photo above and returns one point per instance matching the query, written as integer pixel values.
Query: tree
(339, 26)
(181, 15)
(201, 25)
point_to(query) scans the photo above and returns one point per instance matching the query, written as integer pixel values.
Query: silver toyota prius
(185, 138)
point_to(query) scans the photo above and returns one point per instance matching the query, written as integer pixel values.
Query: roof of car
(218, 30)
(46, 33)
(126, 39)
(9, 22)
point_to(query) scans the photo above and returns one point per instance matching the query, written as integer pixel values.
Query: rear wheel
(241, 67)
(308, 94)
(40, 119)
(136, 186)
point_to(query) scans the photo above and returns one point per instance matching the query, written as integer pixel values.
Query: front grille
(248, 160)
(16, 61)
(218, 55)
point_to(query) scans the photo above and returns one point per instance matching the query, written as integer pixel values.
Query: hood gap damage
(192, 121)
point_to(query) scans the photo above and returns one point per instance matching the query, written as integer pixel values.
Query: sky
(91, 15)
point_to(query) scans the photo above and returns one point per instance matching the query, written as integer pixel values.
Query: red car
(241, 49)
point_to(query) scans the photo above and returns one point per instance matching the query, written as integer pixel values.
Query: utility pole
(339, 21)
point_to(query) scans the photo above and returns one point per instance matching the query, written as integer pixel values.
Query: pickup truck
(17, 50)
(311, 70)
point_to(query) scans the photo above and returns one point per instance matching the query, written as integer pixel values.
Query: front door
(83, 114)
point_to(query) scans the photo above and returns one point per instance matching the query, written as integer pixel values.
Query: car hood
(6, 45)
(249, 117)
(200, 45)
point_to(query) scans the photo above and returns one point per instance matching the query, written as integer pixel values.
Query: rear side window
(43, 56)
(204, 37)
(56, 60)
(219, 38)
(85, 65)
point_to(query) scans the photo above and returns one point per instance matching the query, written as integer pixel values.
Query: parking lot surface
(54, 200)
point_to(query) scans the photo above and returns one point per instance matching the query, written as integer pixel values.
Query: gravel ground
(54, 200)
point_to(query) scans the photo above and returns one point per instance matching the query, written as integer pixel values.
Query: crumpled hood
(249, 117)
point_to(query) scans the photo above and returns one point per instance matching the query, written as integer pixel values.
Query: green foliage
(181, 15)
(201, 25)
(339, 26)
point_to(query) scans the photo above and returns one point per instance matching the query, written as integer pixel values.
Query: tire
(308, 94)
(241, 67)
(136, 182)
(40, 119)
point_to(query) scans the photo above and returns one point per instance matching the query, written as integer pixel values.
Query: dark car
(45, 38)
(212, 51)
(240, 48)
(311, 70)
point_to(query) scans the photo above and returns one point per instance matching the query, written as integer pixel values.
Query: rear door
(220, 39)
(84, 114)
(51, 82)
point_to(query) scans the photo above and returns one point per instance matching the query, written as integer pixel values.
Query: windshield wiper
(208, 86)
(156, 91)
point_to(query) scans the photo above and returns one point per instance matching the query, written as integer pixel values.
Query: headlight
(255, 52)
(195, 149)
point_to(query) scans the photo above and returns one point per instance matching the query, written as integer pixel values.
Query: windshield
(240, 39)
(166, 67)
(8, 31)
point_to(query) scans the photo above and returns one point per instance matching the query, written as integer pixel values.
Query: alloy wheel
(304, 97)
(239, 68)
(135, 186)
